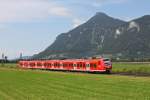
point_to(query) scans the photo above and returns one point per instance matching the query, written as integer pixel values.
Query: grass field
(132, 68)
(18, 84)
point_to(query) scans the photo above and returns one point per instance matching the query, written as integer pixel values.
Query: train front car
(107, 65)
(100, 65)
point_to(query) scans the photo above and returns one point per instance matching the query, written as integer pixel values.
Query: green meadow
(20, 84)
(135, 68)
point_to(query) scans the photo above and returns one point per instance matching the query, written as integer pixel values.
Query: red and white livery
(86, 65)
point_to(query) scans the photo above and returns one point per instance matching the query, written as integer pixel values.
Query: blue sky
(29, 26)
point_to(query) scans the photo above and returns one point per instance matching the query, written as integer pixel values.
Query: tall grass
(133, 68)
(9, 65)
(46, 85)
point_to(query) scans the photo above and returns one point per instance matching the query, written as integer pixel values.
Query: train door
(84, 67)
(46, 64)
(78, 66)
(61, 65)
(70, 65)
(31, 64)
(49, 64)
(39, 64)
(26, 64)
(87, 65)
(65, 65)
(35, 64)
(21, 64)
(52, 65)
(81, 66)
(74, 66)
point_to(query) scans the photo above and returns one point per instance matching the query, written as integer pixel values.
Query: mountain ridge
(102, 35)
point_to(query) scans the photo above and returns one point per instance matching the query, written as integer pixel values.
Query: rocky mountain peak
(101, 14)
(104, 20)
(146, 17)
(103, 35)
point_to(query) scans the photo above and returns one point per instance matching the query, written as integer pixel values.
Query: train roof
(65, 60)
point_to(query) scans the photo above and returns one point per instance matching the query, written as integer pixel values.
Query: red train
(86, 65)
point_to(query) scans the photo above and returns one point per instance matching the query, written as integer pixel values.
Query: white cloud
(59, 11)
(95, 3)
(24, 10)
(77, 22)
(99, 3)
(116, 1)
(29, 10)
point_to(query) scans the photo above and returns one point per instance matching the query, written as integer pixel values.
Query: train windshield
(106, 59)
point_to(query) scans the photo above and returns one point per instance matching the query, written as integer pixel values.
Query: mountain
(103, 35)
(133, 39)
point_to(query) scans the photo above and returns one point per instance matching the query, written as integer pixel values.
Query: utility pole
(20, 56)
(3, 56)
(5, 59)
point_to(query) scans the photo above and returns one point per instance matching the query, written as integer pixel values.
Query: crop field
(135, 68)
(19, 84)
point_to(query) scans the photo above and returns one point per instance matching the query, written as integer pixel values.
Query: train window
(56, 64)
(49, 64)
(77, 65)
(21, 64)
(95, 65)
(106, 59)
(39, 64)
(64, 65)
(74, 65)
(45, 64)
(80, 65)
(87, 65)
(26, 64)
(70, 65)
(91, 65)
(83, 65)
(32, 64)
(61, 64)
